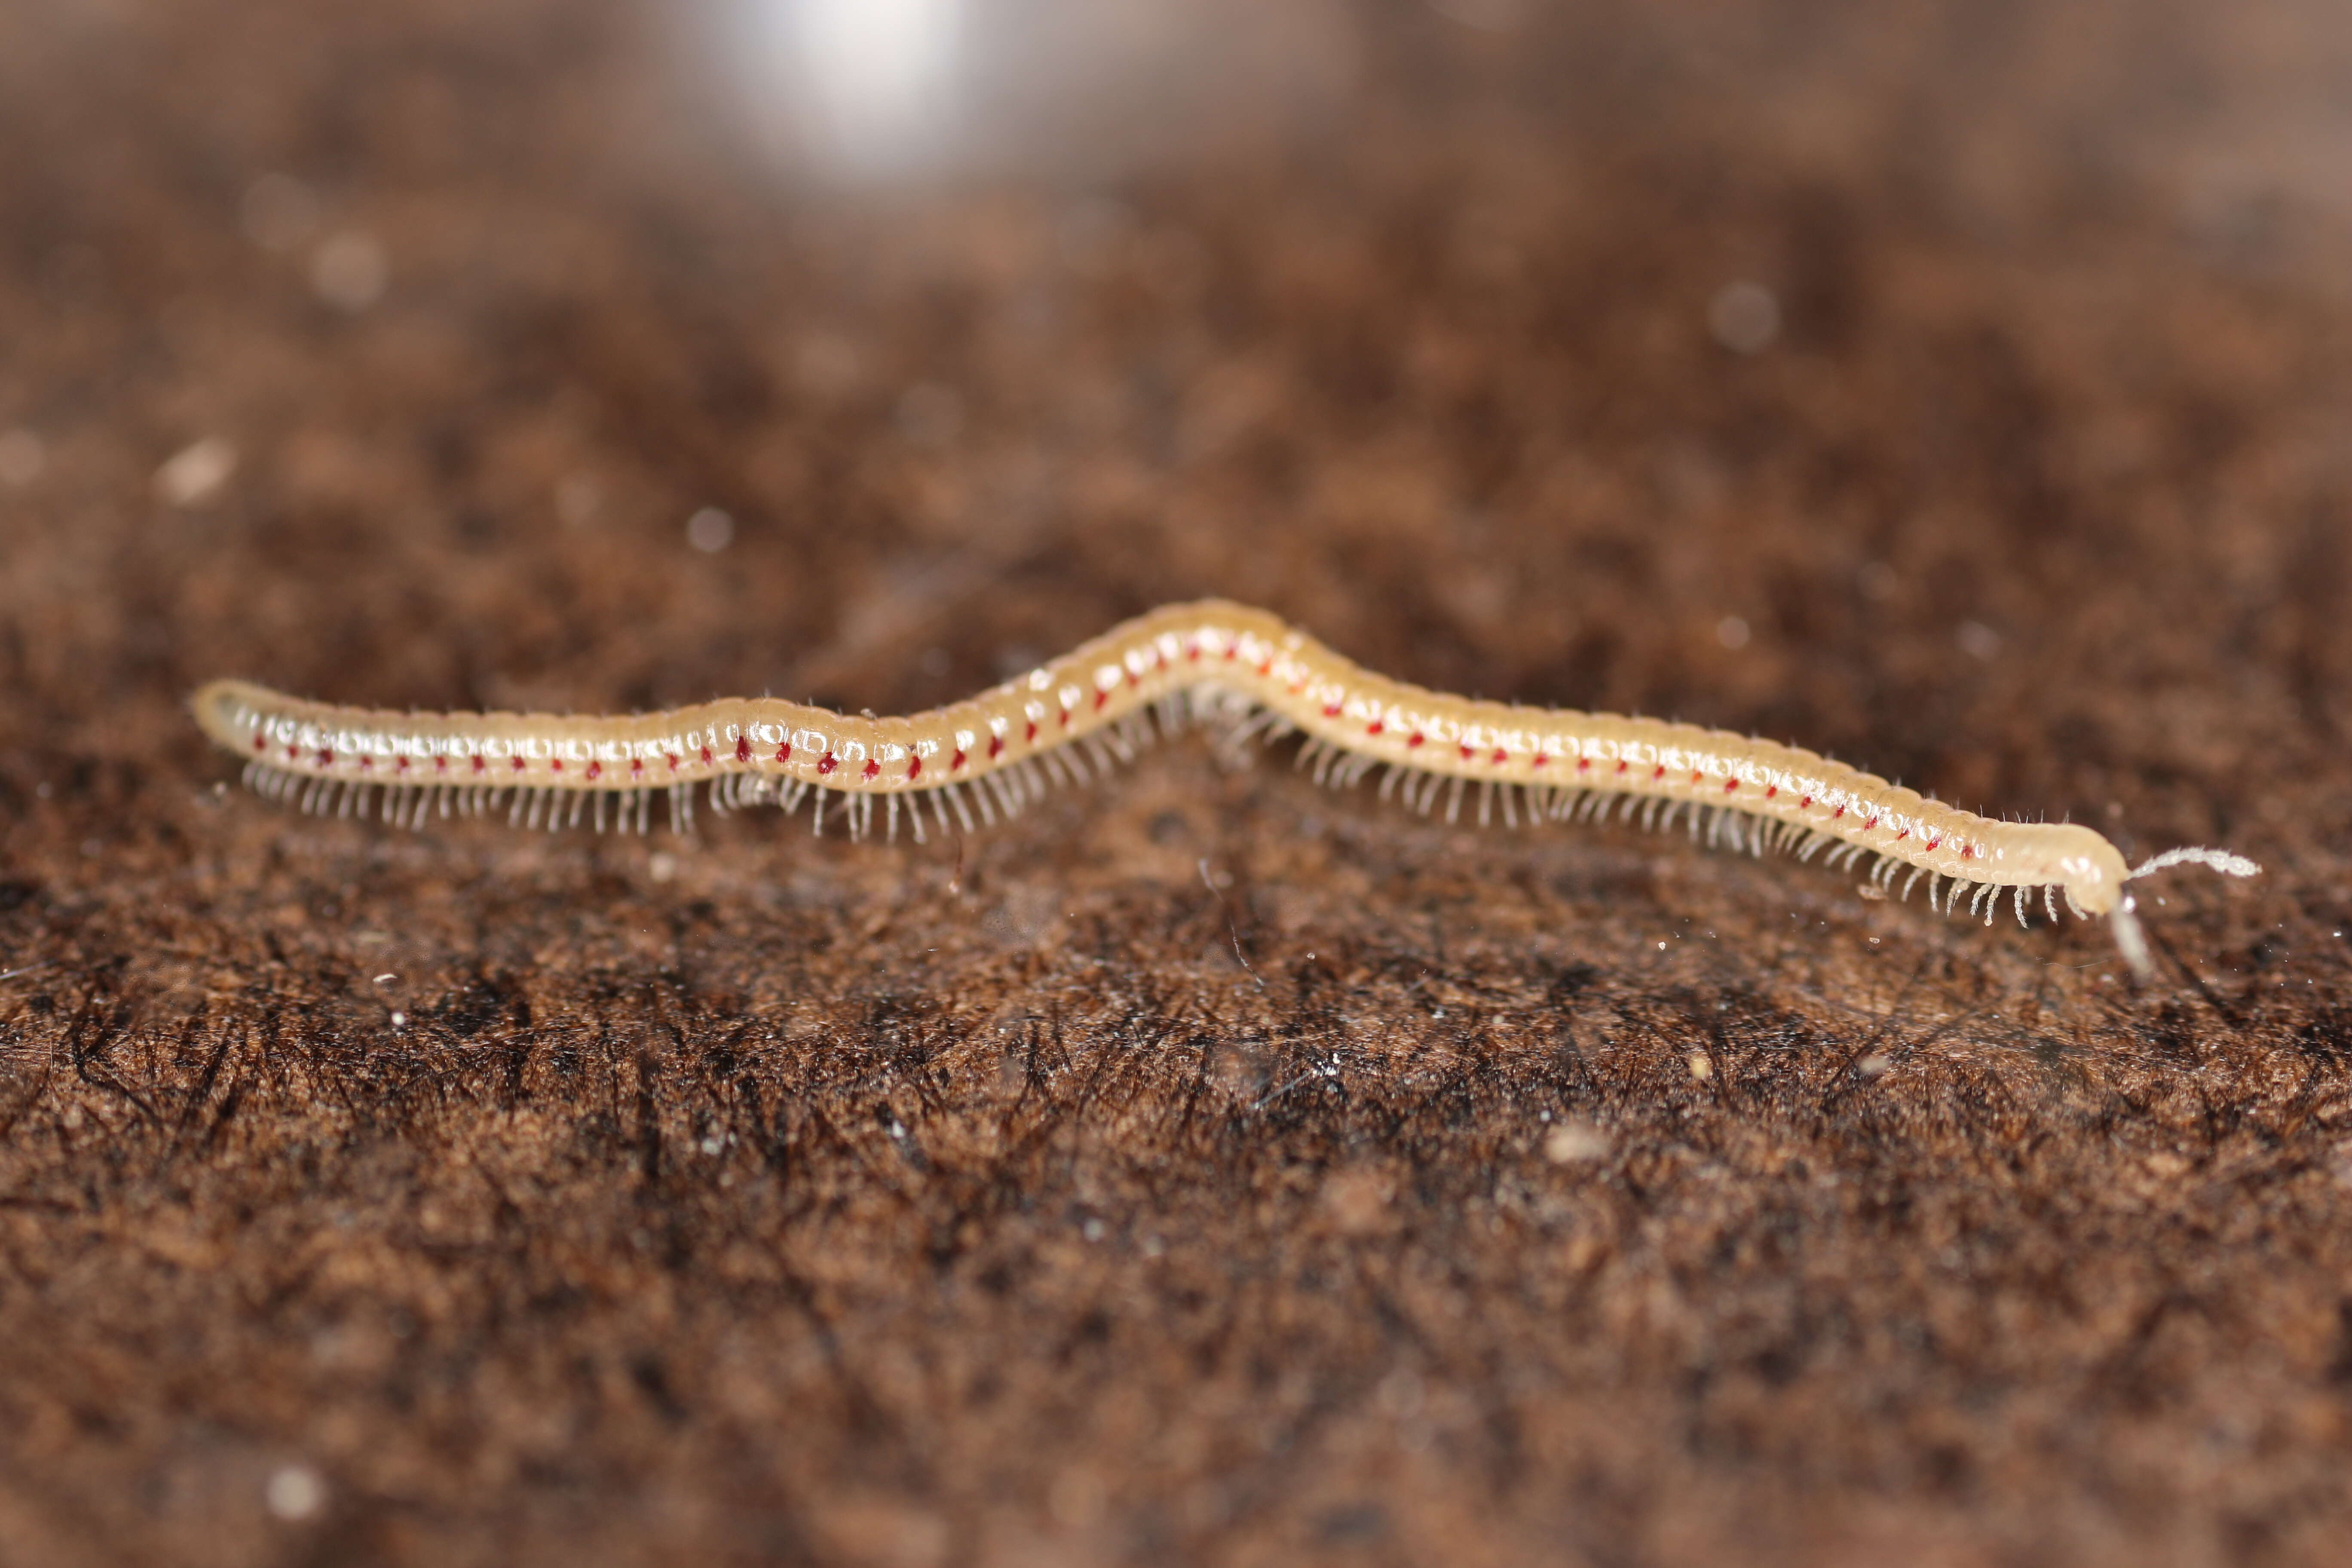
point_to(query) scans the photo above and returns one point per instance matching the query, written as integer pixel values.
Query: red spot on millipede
(706, 756)
(673, 760)
(401, 763)
(1838, 813)
(785, 751)
(1658, 774)
(1968, 852)
(827, 763)
(1584, 764)
(260, 743)
(1622, 764)
(326, 757)
(913, 768)
(636, 766)
(440, 764)
(1266, 669)
(1729, 785)
(518, 764)
(557, 763)
(481, 763)
(1101, 698)
(743, 748)
(1500, 756)
(1807, 801)
(1374, 728)
(292, 752)
(1031, 735)
(1771, 790)
(1415, 738)
(1540, 760)
(1330, 710)
(957, 761)
(873, 768)
(367, 765)
(1933, 842)
(595, 770)
(1465, 753)
(996, 743)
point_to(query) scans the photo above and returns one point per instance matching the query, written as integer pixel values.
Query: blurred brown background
(1205, 1168)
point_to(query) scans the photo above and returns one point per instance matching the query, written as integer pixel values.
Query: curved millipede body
(969, 762)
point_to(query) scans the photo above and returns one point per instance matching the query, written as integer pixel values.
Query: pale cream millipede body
(972, 762)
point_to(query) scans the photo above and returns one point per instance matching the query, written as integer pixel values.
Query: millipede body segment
(969, 762)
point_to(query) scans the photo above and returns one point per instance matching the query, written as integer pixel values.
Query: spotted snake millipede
(971, 761)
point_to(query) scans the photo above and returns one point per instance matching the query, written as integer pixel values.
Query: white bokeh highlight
(872, 81)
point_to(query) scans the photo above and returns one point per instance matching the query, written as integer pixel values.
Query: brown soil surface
(1207, 1169)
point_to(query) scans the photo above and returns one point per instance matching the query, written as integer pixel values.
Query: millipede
(1244, 670)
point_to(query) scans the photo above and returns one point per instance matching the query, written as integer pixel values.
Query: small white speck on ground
(399, 1020)
(351, 271)
(710, 530)
(1731, 632)
(1745, 317)
(194, 474)
(1700, 1067)
(1577, 1143)
(661, 866)
(295, 1492)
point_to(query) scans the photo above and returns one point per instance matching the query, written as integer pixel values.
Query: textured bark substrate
(1205, 1168)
